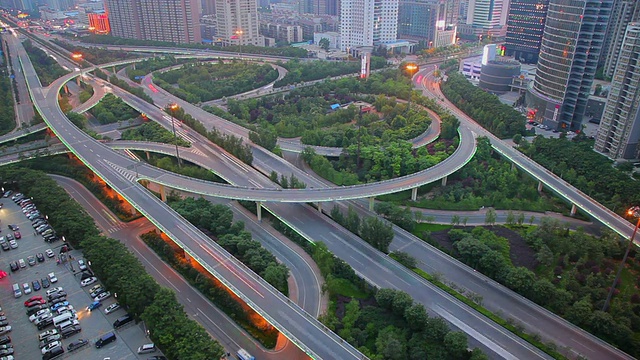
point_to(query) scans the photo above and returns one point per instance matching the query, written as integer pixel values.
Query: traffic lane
(365, 260)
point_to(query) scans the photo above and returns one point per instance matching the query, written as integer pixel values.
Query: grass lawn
(345, 288)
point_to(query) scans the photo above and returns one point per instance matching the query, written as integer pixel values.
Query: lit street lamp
(635, 212)
(76, 56)
(411, 68)
(172, 109)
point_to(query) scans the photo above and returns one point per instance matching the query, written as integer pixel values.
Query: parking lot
(94, 324)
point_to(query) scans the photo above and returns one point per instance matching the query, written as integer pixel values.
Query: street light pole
(634, 211)
(172, 108)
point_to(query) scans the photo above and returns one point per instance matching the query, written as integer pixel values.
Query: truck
(244, 355)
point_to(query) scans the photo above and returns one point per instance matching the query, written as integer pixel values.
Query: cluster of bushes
(139, 92)
(46, 68)
(378, 233)
(230, 143)
(489, 181)
(148, 66)
(592, 173)
(152, 131)
(217, 221)
(96, 55)
(86, 93)
(291, 182)
(200, 82)
(247, 49)
(213, 290)
(7, 112)
(299, 71)
(572, 281)
(186, 168)
(112, 109)
(382, 324)
(170, 329)
(501, 120)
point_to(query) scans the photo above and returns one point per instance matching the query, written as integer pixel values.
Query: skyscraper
(622, 13)
(238, 22)
(487, 16)
(367, 22)
(160, 20)
(525, 25)
(571, 45)
(417, 19)
(619, 129)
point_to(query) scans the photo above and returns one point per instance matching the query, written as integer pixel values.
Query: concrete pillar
(540, 186)
(444, 181)
(134, 212)
(187, 257)
(148, 155)
(78, 80)
(259, 210)
(574, 209)
(113, 70)
(371, 203)
(319, 204)
(513, 166)
(414, 194)
(163, 193)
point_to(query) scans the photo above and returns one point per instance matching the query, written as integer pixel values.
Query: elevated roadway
(298, 326)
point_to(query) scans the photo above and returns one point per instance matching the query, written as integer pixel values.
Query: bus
(244, 355)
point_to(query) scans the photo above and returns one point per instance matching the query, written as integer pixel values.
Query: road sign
(139, 77)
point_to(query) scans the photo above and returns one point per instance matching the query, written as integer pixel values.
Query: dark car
(40, 257)
(43, 324)
(4, 340)
(45, 283)
(3, 323)
(14, 227)
(58, 300)
(69, 331)
(122, 321)
(77, 344)
(5, 352)
(35, 284)
(14, 266)
(5, 246)
(53, 353)
(57, 295)
(34, 309)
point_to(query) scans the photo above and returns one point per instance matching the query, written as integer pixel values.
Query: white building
(488, 16)
(238, 22)
(333, 37)
(367, 23)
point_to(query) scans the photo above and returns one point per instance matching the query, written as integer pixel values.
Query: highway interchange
(271, 206)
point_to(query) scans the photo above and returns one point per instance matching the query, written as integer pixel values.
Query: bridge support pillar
(414, 194)
(78, 80)
(148, 155)
(113, 70)
(319, 204)
(163, 193)
(371, 203)
(259, 210)
(574, 209)
(187, 257)
(540, 186)
(444, 181)
(513, 166)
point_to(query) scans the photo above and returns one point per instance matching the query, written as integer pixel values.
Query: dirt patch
(520, 253)
(342, 301)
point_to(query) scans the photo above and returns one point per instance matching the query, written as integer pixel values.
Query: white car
(63, 309)
(52, 277)
(50, 346)
(33, 317)
(42, 317)
(54, 290)
(50, 253)
(5, 329)
(47, 333)
(88, 281)
(81, 265)
(111, 308)
(26, 288)
(13, 244)
(102, 296)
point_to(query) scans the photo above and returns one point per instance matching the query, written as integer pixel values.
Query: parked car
(5, 329)
(5, 246)
(50, 253)
(10, 237)
(26, 288)
(36, 285)
(13, 244)
(31, 260)
(81, 265)
(111, 308)
(33, 298)
(40, 315)
(21, 263)
(14, 227)
(58, 300)
(96, 290)
(57, 295)
(34, 309)
(99, 297)
(47, 333)
(69, 331)
(4, 340)
(147, 348)
(49, 339)
(77, 344)
(40, 257)
(50, 346)
(35, 302)
(88, 281)
(52, 277)
(17, 235)
(45, 283)
(59, 305)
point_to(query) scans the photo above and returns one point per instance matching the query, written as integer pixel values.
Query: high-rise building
(452, 12)
(417, 19)
(525, 25)
(571, 45)
(208, 7)
(367, 23)
(623, 13)
(99, 23)
(160, 20)
(619, 129)
(60, 5)
(487, 16)
(238, 22)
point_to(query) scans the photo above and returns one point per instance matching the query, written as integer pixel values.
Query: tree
(517, 139)
(521, 218)
(384, 298)
(391, 344)
(324, 44)
(455, 220)
(532, 219)
(490, 217)
(377, 232)
(511, 218)
(401, 302)
(456, 344)
(405, 259)
(416, 317)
